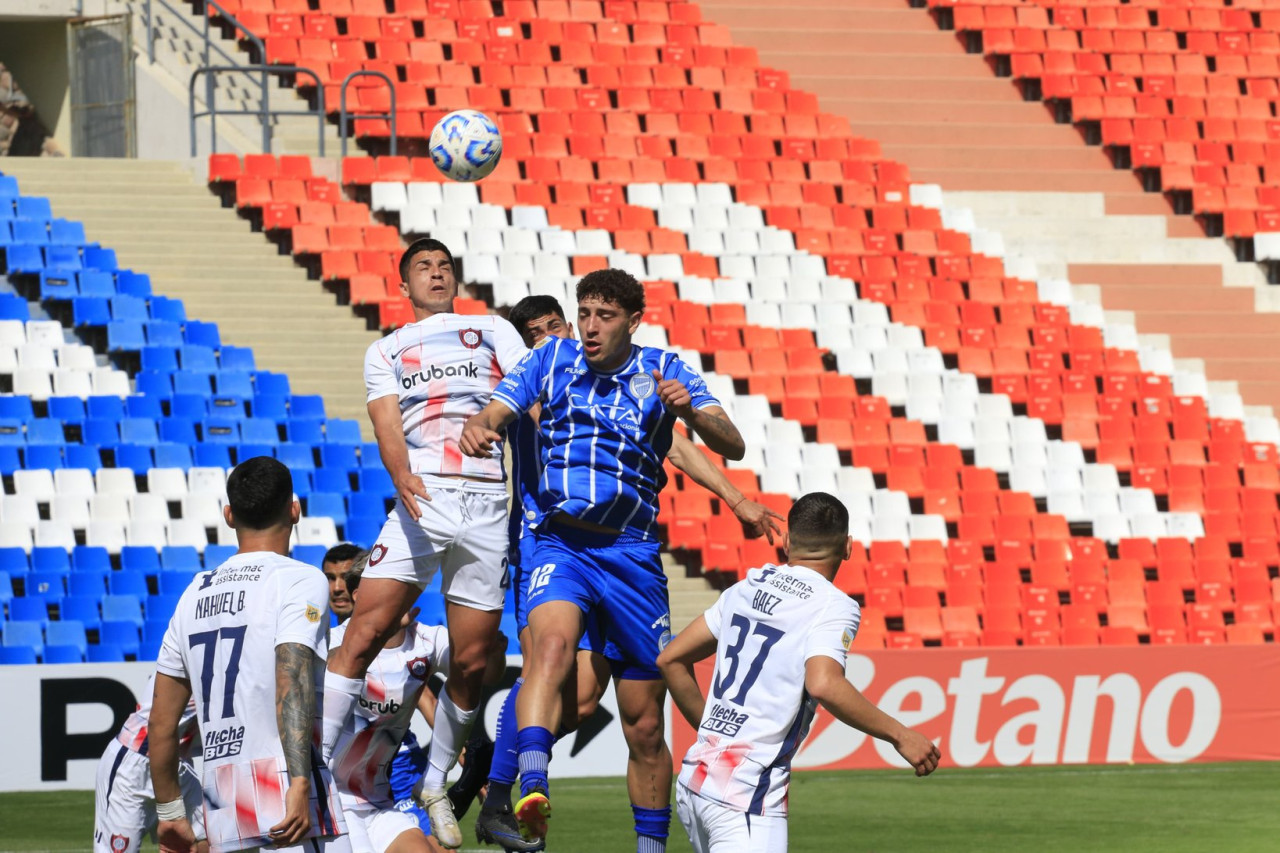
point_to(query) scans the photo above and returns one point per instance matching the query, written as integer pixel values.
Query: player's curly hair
(260, 492)
(425, 244)
(818, 521)
(613, 285)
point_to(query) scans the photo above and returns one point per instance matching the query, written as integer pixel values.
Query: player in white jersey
(124, 807)
(780, 638)
(424, 380)
(248, 641)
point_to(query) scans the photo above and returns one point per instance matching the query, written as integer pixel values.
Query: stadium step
(230, 274)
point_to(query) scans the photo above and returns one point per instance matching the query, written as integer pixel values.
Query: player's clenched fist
(674, 395)
(920, 752)
(477, 439)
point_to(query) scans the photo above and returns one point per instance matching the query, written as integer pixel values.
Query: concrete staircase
(690, 597)
(161, 221)
(179, 50)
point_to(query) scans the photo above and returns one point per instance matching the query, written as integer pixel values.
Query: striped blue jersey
(526, 465)
(603, 435)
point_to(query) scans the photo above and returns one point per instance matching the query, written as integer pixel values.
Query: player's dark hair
(340, 553)
(531, 308)
(612, 285)
(351, 577)
(818, 521)
(424, 244)
(260, 492)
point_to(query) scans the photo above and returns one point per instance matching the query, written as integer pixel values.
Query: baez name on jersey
(218, 603)
(764, 602)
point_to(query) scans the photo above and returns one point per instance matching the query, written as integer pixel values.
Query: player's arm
(388, 430)
(169, 701)
(824, 680)
(427, 706)
(676, 662)
(295, 717)
(758, 518)
(699, 409)
(484, 428)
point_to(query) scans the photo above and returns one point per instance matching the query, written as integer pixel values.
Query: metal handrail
(262, 48)
(263, 114)
(343, 115)
(178, 14)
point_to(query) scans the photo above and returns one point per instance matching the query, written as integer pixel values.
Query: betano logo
(466, 370)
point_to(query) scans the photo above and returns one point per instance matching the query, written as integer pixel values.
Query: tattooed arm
(295, 717)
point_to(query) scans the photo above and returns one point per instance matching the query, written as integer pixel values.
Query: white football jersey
(443, 369)
(757, 711)
(361, 761)
(223, 637)
(133, 734)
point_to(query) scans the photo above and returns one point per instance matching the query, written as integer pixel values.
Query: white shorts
(372, 830)
(327, 844)
(125, 808)
(462, 534)
(714, 828)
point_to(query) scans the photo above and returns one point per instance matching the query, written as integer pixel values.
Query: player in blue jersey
(539, 319)
(607, 409)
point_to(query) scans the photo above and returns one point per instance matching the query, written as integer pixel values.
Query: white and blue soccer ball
(466, 145)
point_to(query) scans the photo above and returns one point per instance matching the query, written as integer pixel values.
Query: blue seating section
(197, 402)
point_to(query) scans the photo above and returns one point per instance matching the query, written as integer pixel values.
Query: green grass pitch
(1196, 807)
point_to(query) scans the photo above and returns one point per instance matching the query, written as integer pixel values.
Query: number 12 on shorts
(539, 577)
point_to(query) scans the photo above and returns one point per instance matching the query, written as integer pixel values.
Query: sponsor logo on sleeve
(846, 639)
(313, 613)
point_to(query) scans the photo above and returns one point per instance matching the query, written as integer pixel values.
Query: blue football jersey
(603, 436)
(526, 465)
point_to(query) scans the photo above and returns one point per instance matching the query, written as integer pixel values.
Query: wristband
(175, 810)
(734, 508)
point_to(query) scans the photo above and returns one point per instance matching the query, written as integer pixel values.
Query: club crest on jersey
(377, 553)
(119, 843)
(313, 613)
(642, 385)
(470, 338)
(419, 667)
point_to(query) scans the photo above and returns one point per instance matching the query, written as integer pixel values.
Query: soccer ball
(466, 145)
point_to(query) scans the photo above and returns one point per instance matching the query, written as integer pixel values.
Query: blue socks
(534, 745)
(502, 773)
(652, 828)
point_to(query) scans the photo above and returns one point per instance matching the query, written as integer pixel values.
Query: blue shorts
(406, 768)
(593, 639)
(618, 584)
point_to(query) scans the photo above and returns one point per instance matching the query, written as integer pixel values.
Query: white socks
(453, 726)
(340, 697)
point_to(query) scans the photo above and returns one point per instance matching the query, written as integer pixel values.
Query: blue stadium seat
(12, 432)
(234, 383)
(259, 431)
(236, 358)
(24, 258)
(216, 555)
(174, 583)
(104, 407)
(63, 258)
(188, 382)
(136, 457)
(331, 480)
(69, 410)
(432, 608)
(13, 655)
(328, 504)
(272, 406)
(81, 608)
(125, 582)
(164, 334)
(362, 531)
(179, 558)
(194, 407)
(342, 431)
(45, 431)
(271, 383)
(168, 309)
(366, 506)
(305, 432)
(106, 653)
(178, 429)
(129, 308)
(154, 383)
(8, 190)
(96, 283)
(375, 481)
(306, 407)
(80, 456)
(171, 454)
(10, 460)
(29, 634)
(122, 608)
(162, 606)
(34, 207)
(48, 456)
(16, 408)
(62, 654)
(154, 628)
(212, 455)
(298, 457)
(29, 610)
(14, 561)
(14, 307)
(99, 258)
(67, 232)
(125, 335)
(47, 585)
(203, 334)
(67, 633)
(310, 554)
(198, 358)
(249, 451)
(34, 231)
(90, 558)
(221, 431)
(6, 588)
(85, 310)
(338, 456)
(133, 283)
(89, 582)
(50, 559)
(138, 431)
(302, 482)
(99, 432)
(142, 406)
(139, 558)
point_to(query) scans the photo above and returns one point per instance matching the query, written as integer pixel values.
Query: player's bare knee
(553, 654)
(644, 733)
